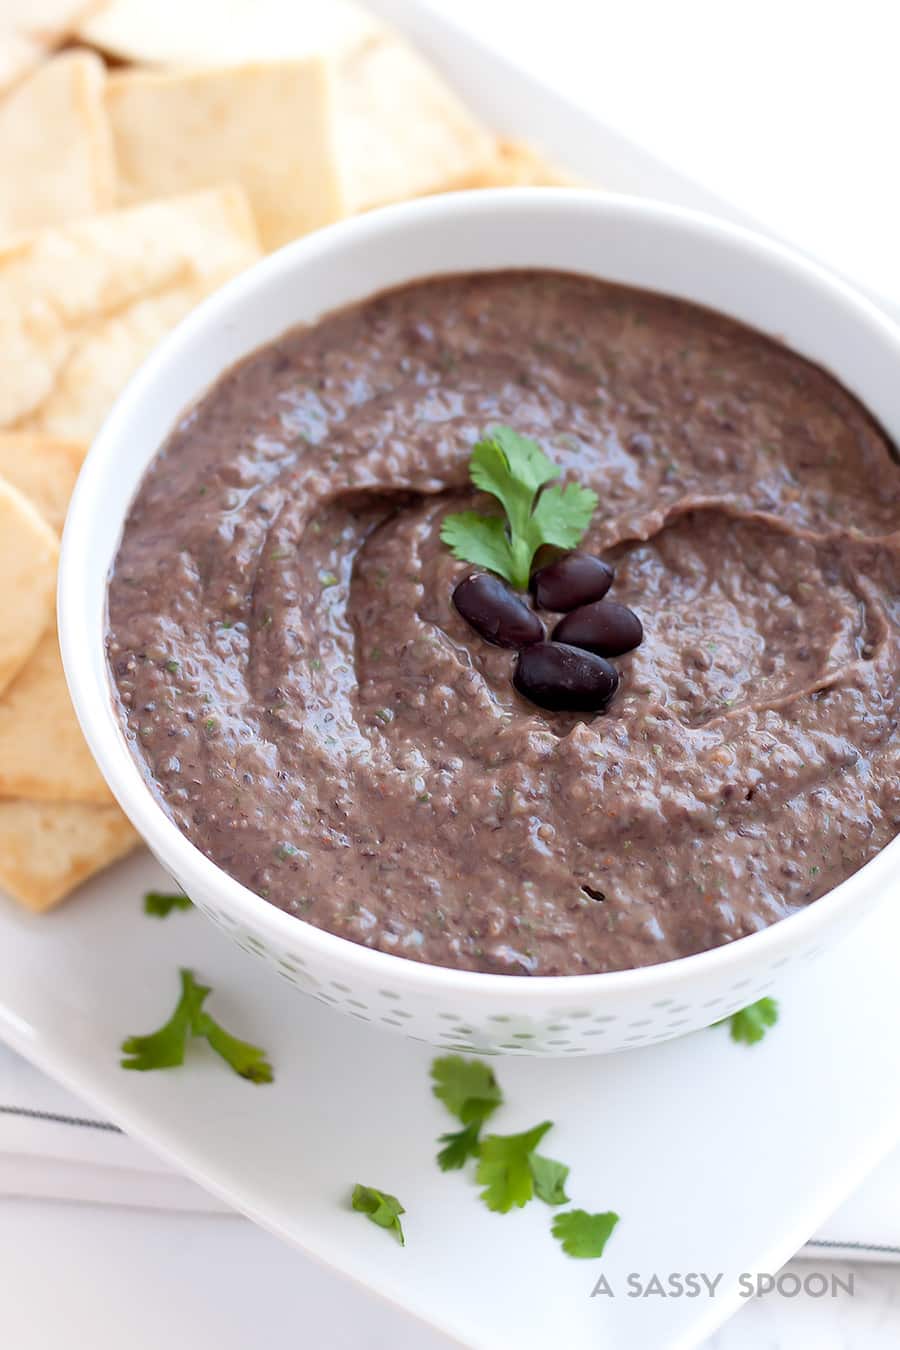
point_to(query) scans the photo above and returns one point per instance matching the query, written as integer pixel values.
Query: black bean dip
(315, 715)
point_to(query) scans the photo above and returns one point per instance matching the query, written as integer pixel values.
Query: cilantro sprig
(161, 903)
(165, 1048)
(515, 470)
(750, 1024)
(379, 1207)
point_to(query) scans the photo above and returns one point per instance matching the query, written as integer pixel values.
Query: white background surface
(74, 1276)
(789, 109)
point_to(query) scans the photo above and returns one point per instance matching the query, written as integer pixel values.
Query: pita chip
(222, 32)
(266, 125)
(56, 146)
(82, 304)
(49, 848)
(520, 164)
(44, 470)
(43, 754)
(29, 551)
(29, 29)
(401, 131)
(47, 21)
(18, 55)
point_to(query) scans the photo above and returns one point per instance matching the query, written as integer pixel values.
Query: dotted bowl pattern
(595, 1024)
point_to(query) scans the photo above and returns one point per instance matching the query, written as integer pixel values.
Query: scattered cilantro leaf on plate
(515, 470)
(164, 1049)
(549, 1179)
(467, 1087)
(504, 1167)
(380, 1207)
(751, 1023)
(161, 903)
(510, 1169)
(584, 1235)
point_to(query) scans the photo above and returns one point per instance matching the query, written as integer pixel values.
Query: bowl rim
(92, 697)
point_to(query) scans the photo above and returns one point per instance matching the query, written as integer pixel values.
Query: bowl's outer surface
(617, 238)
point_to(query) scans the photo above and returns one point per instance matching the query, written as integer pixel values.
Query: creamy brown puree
(315, 715)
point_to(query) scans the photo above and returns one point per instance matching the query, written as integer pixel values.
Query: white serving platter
(720, 1159)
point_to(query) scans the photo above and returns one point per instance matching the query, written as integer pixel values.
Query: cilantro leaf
(478, 539)
(164, 1049)
(515, 470)
(161, 903)
(549, 1179)
(380, 1207)
(467, 1087)
(459, 1147)
(524, 457)
(511, 468)
(562, 514)
(504, 1168)
(751, 1023)
(584, 1235)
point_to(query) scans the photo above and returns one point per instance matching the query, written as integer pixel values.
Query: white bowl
(626, 240)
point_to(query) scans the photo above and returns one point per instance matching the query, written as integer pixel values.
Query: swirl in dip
(314, 714)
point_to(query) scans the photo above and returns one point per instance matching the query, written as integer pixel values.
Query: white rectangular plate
(719, 1158)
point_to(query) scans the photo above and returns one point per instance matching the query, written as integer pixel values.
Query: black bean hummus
(316, 716)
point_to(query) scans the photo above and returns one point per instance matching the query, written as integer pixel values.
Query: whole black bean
(565, 679)
(573, 580)
(606, 627)
(496, 612)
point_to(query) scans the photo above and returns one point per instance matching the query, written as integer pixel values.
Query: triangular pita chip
(43, 469)
(519, 164)
(402, 132)
(268, 126)
(83, 304)
(56, 146)
(29, 29)
(29, 551)
(43, 754)
(49, 848)
(219, 32)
